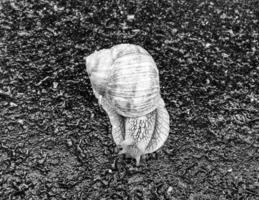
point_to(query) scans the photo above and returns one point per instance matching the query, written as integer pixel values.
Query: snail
(125, 80)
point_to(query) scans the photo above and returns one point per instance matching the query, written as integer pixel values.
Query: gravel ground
(55, 140)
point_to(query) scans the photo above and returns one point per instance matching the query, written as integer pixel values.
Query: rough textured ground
(55, 141)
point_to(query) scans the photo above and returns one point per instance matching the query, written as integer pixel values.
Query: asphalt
(55, 140)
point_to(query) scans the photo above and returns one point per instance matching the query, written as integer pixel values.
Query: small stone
(135, 30)
(130, 17)
(20, 121)
(223, 16)
(169, 190)
(207, 45)
(41, 161)
(69, 142)
(174, 30)
(55, 85)
(12, 104)
(230, 170)
(224, 55)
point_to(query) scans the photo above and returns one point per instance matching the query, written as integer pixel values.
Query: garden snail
(125, 80)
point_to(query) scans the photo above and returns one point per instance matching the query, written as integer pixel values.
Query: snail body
(125, 80)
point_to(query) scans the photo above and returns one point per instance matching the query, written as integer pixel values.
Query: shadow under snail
(125, 80)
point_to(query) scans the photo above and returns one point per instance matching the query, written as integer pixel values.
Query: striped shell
(127, 76)
(126, 82)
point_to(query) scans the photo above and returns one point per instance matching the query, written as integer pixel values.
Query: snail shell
(125, 80)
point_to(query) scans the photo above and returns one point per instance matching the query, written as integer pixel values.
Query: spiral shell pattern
(127, 76)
